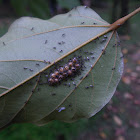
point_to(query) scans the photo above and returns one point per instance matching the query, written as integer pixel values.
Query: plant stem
(122, 20)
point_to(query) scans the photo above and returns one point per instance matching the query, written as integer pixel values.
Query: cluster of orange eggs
(62, 73)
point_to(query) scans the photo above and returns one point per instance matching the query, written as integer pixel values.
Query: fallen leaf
(137, 102)
(126, 80)
(128, 96)
(125, 60)
(120, 138)
(117, 120)
(102, 135)
(125, 51)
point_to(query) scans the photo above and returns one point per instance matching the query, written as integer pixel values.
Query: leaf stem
(122, 20)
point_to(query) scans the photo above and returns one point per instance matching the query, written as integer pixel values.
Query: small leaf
(33, 49)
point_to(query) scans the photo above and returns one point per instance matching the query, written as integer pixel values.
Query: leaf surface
(34, 48)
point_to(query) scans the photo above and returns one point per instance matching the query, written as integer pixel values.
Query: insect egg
(56, 73)
(69, 72)
(73, 69)
(53, 75)
(56, 80)
(61, 77)
(64, 74)
(77, 66)
(70, 64)
(61, 69)
(74, 60)
(51, 81)
(66, 68)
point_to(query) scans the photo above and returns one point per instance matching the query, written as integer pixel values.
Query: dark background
(119, 119)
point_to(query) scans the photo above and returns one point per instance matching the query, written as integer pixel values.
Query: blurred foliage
(55, 130)
(68, 4)
(39, 8)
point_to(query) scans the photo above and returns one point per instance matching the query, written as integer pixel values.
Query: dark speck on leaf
(37, 64)
(61, 51)
(105, 36)
(53, 94)
(122, 56)
(91, 85)
(63, 35)
(92, 57)
(46, 42)
(32, 28)
(49, 62)
(4, 43)
(86, 7)
(31, 69)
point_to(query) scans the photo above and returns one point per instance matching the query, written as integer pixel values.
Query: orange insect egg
(74, 60)
(70, 64)
(56, 80)
(61, 77)
(61, 70)
(73, 69)
(66, 68)
(77, 66)
(69, 72)
(51, 81)
(64, 74)
(53, 75)
(56, 73)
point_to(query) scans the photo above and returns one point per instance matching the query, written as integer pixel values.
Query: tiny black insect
(37, 64)
(122, 57)
(4, 43)
(86, 7)
(86, 87)
(25, 68)
(63, 35)
(31, 69)
(32, 28)
(53, 94)
(46, 41)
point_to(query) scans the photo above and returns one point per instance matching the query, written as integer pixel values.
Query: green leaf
(34, 48)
